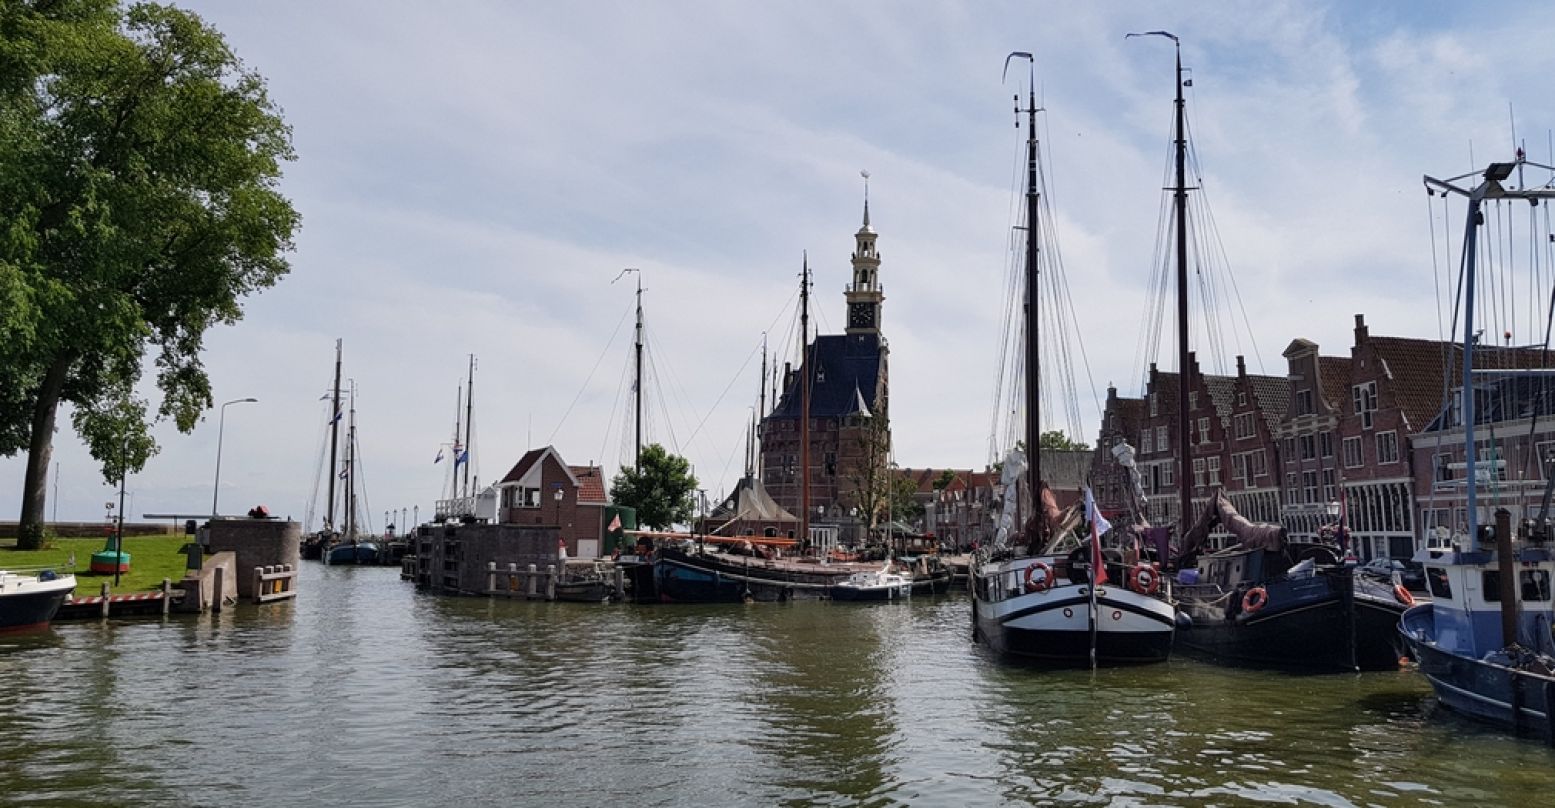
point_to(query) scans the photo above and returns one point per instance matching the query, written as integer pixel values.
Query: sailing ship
(314, 544)
(1035, 603)
(352, 546)
(1485, 641)
(1264, 601)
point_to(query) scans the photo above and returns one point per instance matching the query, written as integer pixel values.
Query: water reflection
(364, 693)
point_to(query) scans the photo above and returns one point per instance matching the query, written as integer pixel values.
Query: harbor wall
(256, 543)
(452, 559)
(203, 590)
(94, 530)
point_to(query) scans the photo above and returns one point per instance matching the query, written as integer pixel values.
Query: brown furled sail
(1250, 535)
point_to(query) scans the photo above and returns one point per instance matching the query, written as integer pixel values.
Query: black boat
(690, 572)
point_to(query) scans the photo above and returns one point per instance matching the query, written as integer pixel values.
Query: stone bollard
(491, 577)
(106, 596)
(260, 585)
(218, 587)
(532, 588)
(550, 582)
(167, 595)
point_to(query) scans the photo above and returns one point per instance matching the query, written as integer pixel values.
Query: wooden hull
(682, 577)
(1313, 624)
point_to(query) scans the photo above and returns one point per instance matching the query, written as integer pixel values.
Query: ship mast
(334, 443)
(637, 461)
(1180, 200)
(804, 403)
(1033, 295)
(469, 425)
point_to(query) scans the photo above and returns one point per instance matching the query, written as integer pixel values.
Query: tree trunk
(35, 488)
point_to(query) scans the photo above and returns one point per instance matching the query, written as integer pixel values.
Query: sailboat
(1485, 641)
(313, 545)
(1036, 604)
(1264, 601)
(352, 546)
(717, 569)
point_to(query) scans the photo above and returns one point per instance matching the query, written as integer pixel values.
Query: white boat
(879, 585)
(31, 601)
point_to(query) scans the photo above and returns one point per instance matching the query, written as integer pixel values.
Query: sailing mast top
(469, 424)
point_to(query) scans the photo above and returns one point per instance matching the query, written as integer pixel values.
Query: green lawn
(152, 558)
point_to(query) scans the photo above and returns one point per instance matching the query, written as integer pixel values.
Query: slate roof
(847, 367)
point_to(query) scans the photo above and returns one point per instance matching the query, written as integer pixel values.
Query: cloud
(473, 176)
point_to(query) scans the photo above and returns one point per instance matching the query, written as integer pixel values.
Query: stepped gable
(1415, 368)
(1335, 376)
(1272, 397)
(847, 369)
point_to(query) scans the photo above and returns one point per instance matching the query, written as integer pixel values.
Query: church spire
(865, 175)
(865, 294)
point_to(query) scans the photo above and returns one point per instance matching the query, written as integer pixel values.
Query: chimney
(1241, 365)
(1360, 329)
(788, 374)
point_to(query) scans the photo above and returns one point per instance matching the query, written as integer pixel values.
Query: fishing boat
(1029, 601)
(29, 602)
(875, 585)
(1484, 641)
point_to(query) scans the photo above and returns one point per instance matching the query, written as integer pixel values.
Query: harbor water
(363, 692)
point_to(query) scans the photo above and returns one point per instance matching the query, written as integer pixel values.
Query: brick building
(849, 412)
(541, 489)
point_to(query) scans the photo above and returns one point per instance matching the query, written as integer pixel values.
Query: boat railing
(458, 507)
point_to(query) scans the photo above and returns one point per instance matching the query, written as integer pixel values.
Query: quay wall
(202, 591)
(452, 559)
(93, 530)
(256, 543)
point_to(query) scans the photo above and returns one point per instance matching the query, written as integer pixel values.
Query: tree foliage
(139, 160)
(870, 478)
(1057, 439)
(904, 503)
(660, 489)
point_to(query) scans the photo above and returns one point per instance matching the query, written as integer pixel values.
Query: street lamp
(558, 497)
(220, 429)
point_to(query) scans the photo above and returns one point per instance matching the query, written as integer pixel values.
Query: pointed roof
(750, 502)
(859, 407)
(845, 366)
(533, 457)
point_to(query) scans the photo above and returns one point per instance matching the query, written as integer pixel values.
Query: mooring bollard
(550, 582)
(532, 587)
(217, 584)
(620, 584)
(167, 595)
(491, 577)
(260, 587)
(512, 578)
(106, 596)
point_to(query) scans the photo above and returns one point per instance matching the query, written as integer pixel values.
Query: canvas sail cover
(748, 502)
(1249, 534)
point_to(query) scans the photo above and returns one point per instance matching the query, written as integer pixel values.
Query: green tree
(905, 506)
(945, 478)
(660, 489)
(139, 160)
(870, 477)
(1056, 439)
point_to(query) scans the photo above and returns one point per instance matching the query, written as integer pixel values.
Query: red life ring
(1144, 579)
(1255, 599)
(1403, 595)
(1042, 584)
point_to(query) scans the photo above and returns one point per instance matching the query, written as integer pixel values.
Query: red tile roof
(591, 483)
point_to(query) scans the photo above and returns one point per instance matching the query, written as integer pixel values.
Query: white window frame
(1198, 472)
(1203, 430)
(1389, 437)
(1146, 446)
(1213, 468)
(1360, 452)
(1162, 442)
(1364, 397)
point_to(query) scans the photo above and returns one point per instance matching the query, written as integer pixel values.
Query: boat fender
(1144, 579)
(1255, 599)
(1403, 595)
(1184, 620)
(1043, 584)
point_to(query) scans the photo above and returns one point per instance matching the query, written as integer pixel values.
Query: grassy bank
(152, 558)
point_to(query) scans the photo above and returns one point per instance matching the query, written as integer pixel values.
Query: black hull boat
(682, 576)
(1054, 625)
(29, 602)
(363, 553)
(1323, 622)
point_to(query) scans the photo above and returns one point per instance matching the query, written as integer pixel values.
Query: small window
(1436, 581)
(1535, 584)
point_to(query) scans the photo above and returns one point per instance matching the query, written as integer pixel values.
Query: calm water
(364, 693)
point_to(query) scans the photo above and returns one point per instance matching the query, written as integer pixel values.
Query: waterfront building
(542, 489)
(850, 434)
(1121, 421)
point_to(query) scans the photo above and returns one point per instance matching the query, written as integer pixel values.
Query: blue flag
(464, 457)
(439, 455)
(336, 419)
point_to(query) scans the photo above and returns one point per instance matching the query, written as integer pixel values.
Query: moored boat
(30, 601)
(874, 585)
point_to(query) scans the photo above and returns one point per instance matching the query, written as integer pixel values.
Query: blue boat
(1485, 641)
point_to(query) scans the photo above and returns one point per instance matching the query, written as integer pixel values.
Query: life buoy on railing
(1144, 579)
(1403, 595)
(1255, 599)
(1042, 584)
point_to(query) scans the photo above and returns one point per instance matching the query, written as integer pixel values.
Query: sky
(472, 176)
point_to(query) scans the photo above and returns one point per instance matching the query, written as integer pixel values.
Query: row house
(1121, 421)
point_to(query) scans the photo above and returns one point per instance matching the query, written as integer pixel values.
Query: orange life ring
(1042, 584)
(1403, 595)
(1255, 599)
(1144, 579)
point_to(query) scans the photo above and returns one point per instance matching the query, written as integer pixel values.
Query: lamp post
(558, 497)
(220, 430)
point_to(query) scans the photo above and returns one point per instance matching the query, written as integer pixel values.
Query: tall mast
(453, 483)
(761, 410)
(1033, 290)
(469, 424)
(804, 403)
(334, 442)
(351, 467)
(637, 461)
(1180, 200)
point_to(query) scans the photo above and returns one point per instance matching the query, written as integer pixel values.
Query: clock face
(861, 315)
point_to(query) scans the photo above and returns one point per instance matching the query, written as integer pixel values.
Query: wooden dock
(138, 604)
